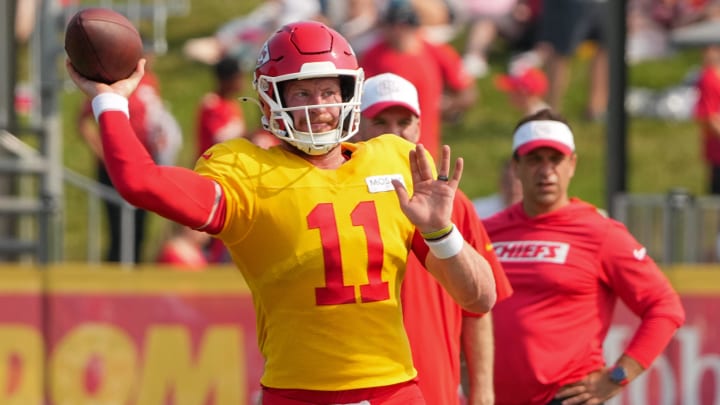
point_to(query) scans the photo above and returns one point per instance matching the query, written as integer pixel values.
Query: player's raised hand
(91, 88)
(430, 206)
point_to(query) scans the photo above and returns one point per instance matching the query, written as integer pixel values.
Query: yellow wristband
(438, 234)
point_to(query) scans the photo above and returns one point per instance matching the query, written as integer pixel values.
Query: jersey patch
(379, 184)
(532, 251)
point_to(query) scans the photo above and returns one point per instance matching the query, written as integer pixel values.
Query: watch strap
(618, 375)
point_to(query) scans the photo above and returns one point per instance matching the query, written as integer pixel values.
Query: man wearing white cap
(435, 324)
(389, 105)
(568, 265)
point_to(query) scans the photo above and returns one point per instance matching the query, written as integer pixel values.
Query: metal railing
(675, 227)
(42, 208)
(98, 193)
(30, 160)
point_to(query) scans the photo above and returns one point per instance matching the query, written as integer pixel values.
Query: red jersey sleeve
(176, 193)
(419, 247)
(642, 286)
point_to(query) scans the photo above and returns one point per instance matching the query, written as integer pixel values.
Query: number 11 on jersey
(336, 292)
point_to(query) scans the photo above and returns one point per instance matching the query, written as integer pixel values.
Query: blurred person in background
(220, 116)
(437, 327)
(526, 89)
(241, 37)
(563, 26)
(647, 37)
(509, 193)
(356, 20)
(444, 87)
(184, 249)
(568, 265)
(263, 138)
(438, 18)
(673, 14)
(488, 21)
(25, 16)
(707, 115)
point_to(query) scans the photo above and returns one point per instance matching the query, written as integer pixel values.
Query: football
(102, 44)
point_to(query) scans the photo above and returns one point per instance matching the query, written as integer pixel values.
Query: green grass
(661, 155)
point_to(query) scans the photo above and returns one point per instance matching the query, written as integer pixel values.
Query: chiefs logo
(264, 55)
(532, 251)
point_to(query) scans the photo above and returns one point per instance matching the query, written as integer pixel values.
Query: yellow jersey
(324, 253)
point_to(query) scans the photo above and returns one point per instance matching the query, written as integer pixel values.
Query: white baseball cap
(387, 90)
(543, 133)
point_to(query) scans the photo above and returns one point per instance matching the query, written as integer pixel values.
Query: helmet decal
(264, 55)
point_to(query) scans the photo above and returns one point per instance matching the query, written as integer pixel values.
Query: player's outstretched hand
(430, 207)
(123, 87)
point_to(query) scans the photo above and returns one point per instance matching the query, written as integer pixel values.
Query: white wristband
(107, 102)
(448, 246)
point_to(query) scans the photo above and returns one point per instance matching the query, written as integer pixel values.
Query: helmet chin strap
(305, 146)
(309, 148)
(312, 150)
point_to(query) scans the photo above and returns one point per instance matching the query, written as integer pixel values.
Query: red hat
(531, 81)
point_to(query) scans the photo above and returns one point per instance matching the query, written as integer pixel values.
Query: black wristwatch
(619, 376)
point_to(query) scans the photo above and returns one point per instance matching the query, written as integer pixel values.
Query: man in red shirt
(707, 114)
(568, 265)
(220, 116)
(436, 325)
(436, 70)
(526, 89)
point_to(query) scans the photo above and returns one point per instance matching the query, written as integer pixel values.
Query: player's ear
(573, 164)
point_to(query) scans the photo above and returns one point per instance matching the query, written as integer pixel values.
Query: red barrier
(146, 337)
(135, 338)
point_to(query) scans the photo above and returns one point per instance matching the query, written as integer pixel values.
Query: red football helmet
(306, 50)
